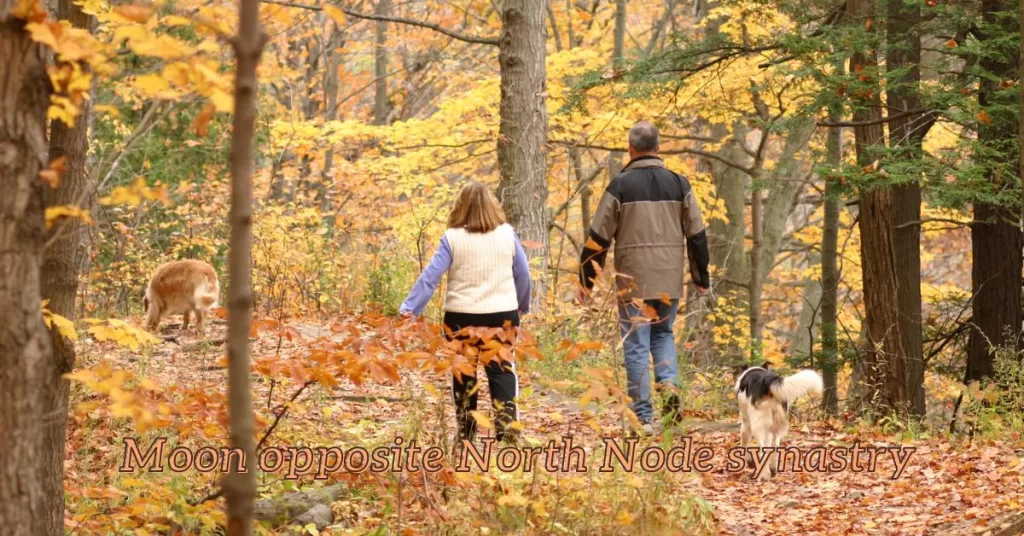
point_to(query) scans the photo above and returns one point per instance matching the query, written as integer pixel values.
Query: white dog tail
(205, 295)
(798, 385)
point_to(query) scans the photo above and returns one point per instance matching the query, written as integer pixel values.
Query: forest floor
(948, 486)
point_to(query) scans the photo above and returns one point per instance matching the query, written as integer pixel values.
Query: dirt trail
(944, 489)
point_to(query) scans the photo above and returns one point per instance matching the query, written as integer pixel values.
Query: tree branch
(697, 152)
(399, 20)
(879, 121)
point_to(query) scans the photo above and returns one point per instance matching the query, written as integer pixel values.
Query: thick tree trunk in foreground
(522, 132)
(25, 351)
(240, 487)
(64, 261)
(884, 357)
(906, 133)
(996, 243)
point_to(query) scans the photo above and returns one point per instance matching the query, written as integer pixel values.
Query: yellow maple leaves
(54, 213)
(121, 333)
(135, 194)
(65, 327)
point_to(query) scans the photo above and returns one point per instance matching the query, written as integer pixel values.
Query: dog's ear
(766, 364)
(738, 369)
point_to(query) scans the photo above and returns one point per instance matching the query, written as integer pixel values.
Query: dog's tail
(797, 385)
(205, 295)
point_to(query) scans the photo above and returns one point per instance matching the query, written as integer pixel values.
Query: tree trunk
(240, 484)
(25, 351)
(756, 274)
(906, 133)
(522, 132)
(726, 238)
(331, 113)
(381, 105)
(830, 269)
(783, 190)
(996, 243)
(618, 54)
(64, 262)
(806, 330)
(884, 356)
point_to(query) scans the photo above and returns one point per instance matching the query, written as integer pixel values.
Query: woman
(488, 286)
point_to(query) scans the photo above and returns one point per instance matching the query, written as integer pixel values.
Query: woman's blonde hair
(476, 209)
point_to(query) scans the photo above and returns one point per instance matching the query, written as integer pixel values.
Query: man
(650, 212)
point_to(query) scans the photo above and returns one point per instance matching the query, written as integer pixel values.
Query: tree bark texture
(830, 270)
(65, 259)
(884, 357)
(522, 132)
(996, 243)
(25, 350)
(905, 134)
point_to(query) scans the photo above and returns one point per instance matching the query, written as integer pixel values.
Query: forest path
(944, 489)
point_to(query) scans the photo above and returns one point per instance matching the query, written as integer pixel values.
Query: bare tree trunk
(996, 243)
(522, 132)
(25, 351)
(756, 277)
(331, 104)
(618, 54)
(904, 52)
(64, 261)
(726, 238)
(884, 356)
(807, 326)
(381, 105)
(783, 189)
(240, 483)
(830, 268)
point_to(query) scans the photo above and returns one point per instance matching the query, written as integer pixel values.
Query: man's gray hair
(643, 137)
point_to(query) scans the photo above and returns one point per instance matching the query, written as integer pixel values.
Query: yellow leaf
(336, 14)
(223, 101)
(151, 84)
(134, 13)
(482, 420)
(66, 211)
(45, 33)
(29, 10)
(65, 327)
(635, 482)
(107, 109)
(512, 499)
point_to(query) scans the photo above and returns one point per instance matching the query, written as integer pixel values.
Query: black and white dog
(764, 398)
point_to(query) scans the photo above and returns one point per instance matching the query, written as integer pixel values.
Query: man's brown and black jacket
(652, 215)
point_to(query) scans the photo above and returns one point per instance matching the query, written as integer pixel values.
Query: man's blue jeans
(642, 339)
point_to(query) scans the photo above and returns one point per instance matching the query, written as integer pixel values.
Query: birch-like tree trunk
(25, 349)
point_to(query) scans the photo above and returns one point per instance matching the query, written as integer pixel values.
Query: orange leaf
(983, 117)
(202, 121)
(134, 13)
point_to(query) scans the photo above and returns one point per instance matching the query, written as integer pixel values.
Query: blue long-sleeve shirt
(428, 281)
